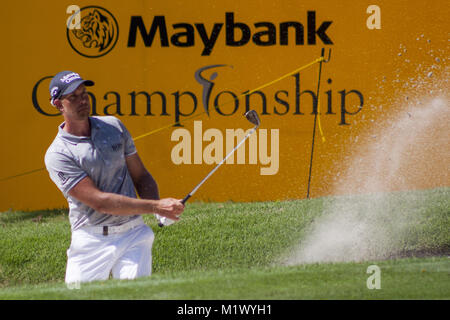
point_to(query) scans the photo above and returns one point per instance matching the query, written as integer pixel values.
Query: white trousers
(93, 256)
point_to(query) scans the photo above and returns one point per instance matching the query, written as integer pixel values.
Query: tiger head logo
(97, 33)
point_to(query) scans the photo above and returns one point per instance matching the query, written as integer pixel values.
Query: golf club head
(253, 117)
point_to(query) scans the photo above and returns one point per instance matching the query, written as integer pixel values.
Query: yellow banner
(329, 80)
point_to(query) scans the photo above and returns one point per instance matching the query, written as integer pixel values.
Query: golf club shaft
(213, 170)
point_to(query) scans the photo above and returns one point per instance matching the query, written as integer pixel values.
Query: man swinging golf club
(94, 162)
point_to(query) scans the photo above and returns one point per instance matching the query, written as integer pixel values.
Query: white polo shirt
(101, 157)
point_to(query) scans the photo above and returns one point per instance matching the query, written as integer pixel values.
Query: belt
(106, 230)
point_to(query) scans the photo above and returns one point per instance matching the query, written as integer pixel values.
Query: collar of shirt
(73, 139)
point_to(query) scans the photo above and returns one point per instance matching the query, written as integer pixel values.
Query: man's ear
(58, 104)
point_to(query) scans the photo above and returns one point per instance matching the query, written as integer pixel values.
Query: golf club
(251, 116)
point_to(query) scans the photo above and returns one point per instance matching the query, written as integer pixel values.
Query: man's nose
(85, 97)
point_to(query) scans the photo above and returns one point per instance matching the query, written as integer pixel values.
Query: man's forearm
(116, 204)
(147, 190)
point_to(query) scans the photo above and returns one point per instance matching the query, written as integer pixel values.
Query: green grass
(230, 251)
(413, 278)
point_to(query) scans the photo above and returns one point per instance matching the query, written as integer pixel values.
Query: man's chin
(82, 116)
(85, 112)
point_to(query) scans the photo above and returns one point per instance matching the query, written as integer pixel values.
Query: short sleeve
(63, 171)
(130, 148)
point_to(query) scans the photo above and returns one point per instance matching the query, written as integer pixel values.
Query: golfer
(94, 162)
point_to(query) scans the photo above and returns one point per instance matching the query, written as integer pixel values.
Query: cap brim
(74, 85)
